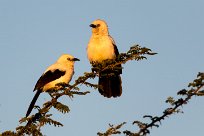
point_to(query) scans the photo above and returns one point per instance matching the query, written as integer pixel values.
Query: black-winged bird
(102, 47)
(59, 72)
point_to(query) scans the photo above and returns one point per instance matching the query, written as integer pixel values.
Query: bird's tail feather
(110, 86)
(32, 104)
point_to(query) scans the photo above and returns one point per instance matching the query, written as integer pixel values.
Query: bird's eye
(98, 25)
(69, 59)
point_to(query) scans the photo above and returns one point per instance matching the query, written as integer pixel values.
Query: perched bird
(102, 47)
(59, 72)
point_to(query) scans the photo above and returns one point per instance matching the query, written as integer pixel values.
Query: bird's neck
(99, 34)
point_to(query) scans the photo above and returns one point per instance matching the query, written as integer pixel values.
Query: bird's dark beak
(76, 59)
(92, 25)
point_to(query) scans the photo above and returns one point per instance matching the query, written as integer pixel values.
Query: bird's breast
(100, 49)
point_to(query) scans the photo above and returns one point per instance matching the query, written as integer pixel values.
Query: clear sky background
(33, 34)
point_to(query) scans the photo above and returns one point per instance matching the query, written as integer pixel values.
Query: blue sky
(33, 34)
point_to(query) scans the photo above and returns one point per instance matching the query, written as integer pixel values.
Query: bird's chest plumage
(100, 49)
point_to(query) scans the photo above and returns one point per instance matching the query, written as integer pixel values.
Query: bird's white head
(65, 58)
(99, 27)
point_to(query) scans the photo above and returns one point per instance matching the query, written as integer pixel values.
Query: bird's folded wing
(48, 77)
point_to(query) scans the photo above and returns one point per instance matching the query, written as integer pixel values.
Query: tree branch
(41, 118)
(195, 89)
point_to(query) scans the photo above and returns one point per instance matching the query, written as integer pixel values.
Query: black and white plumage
(102, 47)
(59, 72)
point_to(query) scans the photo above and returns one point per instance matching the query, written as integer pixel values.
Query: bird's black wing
(116, 50)
(116, 54)
(48, 77)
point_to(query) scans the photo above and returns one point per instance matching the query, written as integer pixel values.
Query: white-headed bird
(59, 72)
(102, 47)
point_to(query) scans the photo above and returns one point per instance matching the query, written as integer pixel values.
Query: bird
(101, 47)
(59, 72)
